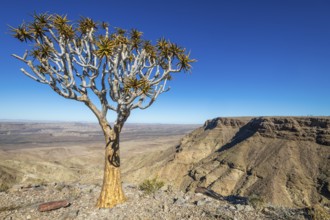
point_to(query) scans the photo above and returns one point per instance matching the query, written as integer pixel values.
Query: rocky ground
(21, 202)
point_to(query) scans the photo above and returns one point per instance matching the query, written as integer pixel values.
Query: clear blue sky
(255, 58)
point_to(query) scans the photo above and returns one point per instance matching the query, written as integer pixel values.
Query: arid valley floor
(75, 151)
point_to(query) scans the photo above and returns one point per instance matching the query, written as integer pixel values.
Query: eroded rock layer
(284, 160)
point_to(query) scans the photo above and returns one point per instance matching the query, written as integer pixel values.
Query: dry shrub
(4, 187)
(256, 202)
(151, 186)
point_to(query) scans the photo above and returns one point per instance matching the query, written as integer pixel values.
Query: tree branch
(122, 70)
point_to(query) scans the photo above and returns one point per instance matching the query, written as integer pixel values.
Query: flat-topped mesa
(225, 122)
(315, 129)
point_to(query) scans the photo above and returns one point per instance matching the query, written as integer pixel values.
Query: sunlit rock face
(284, 160)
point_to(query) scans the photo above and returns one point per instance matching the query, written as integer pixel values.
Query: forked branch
(76, 60)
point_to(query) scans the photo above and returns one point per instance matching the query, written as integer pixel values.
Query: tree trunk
(112, 192)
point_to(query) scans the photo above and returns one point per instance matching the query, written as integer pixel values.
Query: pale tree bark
(111, 192)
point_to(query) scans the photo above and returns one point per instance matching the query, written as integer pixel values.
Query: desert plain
(35, 152)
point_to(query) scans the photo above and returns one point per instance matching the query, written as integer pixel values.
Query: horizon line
(87, 122)
(160, 123)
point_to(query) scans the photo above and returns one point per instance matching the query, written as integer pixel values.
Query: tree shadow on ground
(233, 199)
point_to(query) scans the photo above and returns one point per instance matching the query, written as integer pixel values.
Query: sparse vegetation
(3, 187)
(60, 187)
(151, 186)
(38, 181)
(256, 202)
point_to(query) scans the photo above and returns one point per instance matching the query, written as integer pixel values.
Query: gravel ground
(21, 202)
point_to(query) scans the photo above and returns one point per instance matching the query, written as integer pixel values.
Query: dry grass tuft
(151, 186)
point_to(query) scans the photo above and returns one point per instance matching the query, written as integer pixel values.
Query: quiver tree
(87, 58)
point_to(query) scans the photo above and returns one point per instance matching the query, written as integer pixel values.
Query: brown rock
(49, 206)
(282, 160)
(200, 190)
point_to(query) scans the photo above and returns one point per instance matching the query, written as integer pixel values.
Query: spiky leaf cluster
(164, 53)
(61, 24)
(87, 24)
(105, 47)
(168, 50)
(137, 85)
(22, 33)
(136, 38)
(119, 66)
(150, 50)
(42, 51)
(39, 26)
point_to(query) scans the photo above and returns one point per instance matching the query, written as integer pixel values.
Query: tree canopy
(76, 58)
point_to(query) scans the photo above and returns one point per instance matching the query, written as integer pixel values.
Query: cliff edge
(283, 160)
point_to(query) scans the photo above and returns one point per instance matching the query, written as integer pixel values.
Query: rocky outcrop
(284, 160)
(198, 145)
(301, 129)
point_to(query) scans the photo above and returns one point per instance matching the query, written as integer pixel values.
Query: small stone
(179, 201)
(200, 202)
(49, 206)
(28, 217)
(239, 207)
(265, 209)
(164, 188)
(165, 207)
(231, 207)
(201, 190)
(209, 199)
(186, 197)
(15, 188)
(248, 208)
(157, 196)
